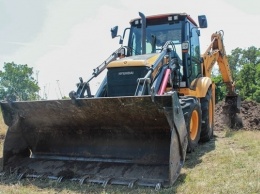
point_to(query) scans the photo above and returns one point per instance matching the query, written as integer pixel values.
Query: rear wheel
(207, 117)
(192, 116)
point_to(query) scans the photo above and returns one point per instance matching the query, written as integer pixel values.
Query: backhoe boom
(216, 53)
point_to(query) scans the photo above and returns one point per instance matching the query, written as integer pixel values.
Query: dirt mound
(247, 119)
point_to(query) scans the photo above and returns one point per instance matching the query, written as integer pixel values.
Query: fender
(199, 87)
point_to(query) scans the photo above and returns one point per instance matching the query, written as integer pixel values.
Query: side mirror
(114, 31)
(202, 21)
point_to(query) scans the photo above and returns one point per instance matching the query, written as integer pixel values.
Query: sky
(66, 39)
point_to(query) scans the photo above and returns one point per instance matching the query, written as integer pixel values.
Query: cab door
(193, 62)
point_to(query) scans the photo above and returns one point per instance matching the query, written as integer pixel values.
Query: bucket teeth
(20, 176)
(131, 184)
(158, 186)
(104, 184)
(103, 181)
(82, 180)
(59, 179)
(38, 176)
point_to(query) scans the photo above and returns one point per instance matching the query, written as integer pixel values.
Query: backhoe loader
(154, 105)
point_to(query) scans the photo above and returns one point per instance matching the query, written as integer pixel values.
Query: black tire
(192, 115)
(207, 117)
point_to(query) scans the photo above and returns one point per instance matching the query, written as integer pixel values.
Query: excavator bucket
(231, 108)
(117, 140)
(232, 104)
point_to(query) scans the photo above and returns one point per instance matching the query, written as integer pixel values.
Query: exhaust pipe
(143, 32)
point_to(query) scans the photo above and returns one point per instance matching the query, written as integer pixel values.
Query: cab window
(194, 71)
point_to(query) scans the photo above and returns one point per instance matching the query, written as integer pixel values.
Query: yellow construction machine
(155, 103)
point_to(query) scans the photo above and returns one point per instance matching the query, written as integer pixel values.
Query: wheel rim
(194, 123)
(210, 113)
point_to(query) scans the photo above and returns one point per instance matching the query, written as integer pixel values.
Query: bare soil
(247, 119)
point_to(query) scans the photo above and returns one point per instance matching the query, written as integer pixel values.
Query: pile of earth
(247, 119)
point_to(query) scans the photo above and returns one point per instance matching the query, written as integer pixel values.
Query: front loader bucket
(120, 140)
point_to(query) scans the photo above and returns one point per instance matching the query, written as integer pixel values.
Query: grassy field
(230, 163)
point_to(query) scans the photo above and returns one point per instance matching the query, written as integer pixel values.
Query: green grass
(227, 164)
(232, 166)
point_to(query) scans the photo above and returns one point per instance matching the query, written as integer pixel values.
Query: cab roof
(152, 18)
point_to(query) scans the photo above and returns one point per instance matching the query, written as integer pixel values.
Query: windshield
(156, 37)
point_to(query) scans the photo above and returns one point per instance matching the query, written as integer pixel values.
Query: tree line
(17, 81)
(245, 68)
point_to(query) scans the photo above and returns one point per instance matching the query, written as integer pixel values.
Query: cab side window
(194, 53)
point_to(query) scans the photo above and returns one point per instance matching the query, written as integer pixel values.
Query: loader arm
(83, 87)
(216, 53)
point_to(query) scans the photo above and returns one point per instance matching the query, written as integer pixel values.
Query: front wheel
(192, 116)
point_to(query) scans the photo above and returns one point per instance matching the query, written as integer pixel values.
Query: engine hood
(138, 60)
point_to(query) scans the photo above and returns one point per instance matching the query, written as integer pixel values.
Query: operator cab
(158, 32)
(179, 28)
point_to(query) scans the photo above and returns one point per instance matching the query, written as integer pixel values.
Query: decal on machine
(126, 73)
